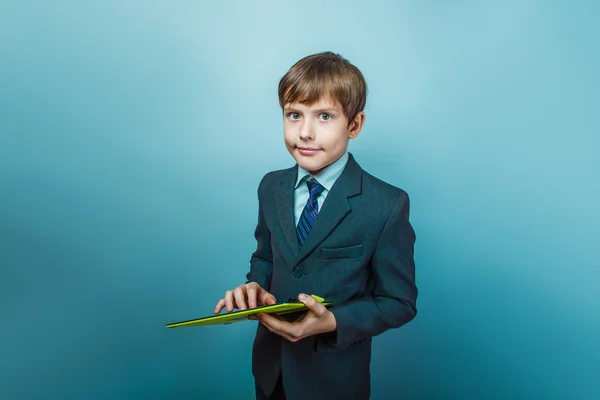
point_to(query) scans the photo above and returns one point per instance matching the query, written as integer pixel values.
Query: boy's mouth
(308, 151)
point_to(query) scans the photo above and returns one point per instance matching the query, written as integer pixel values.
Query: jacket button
(298, 272)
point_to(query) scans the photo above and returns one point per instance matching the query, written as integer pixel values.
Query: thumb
(312, 304)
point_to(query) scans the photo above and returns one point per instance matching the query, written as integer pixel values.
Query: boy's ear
(356, 125)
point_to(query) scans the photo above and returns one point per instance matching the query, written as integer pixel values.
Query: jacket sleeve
(261, 262)
(393, 300)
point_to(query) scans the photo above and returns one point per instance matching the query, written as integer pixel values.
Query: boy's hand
(317, 320)
(251, 291)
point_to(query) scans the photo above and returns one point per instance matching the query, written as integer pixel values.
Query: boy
(358, 253)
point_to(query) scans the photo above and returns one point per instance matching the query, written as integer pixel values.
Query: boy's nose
(307, 131)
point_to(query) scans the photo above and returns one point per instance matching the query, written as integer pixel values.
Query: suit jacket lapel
(284, 204)
(334, 209)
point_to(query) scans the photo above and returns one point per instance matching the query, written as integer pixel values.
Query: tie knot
(314, 187)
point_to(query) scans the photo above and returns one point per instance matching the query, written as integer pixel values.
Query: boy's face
(317, 135)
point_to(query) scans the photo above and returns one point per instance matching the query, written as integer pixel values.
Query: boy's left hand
(317, 320)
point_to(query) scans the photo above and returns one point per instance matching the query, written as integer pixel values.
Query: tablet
(290, 306)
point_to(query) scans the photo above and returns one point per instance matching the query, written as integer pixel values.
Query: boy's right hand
(251, 292)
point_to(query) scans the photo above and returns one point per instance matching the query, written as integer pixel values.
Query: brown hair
(324, 74)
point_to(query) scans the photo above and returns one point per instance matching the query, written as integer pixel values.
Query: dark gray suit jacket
(358, 255)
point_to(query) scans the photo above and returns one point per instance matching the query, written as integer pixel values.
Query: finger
(279, 317)
(287, 337)
(313, 305)
(300, 318)
(282, 326)
(268, 323)
(271, 300)
(239, 295)
(267, 298)
(251, 293)
(229, 300)
(219, 306)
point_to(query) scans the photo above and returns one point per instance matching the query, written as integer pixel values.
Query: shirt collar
(328, 176)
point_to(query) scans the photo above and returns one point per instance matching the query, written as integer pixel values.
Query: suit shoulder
(386, 196)
(381, 189)
(271, 178)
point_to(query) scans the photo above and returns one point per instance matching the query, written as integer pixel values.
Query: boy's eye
(325, 117)
(294, 115)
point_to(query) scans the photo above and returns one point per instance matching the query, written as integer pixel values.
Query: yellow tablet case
(287, 307)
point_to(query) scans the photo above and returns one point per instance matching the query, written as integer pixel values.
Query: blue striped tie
(309, 215)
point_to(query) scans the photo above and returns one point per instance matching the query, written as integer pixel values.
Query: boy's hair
(323, 74)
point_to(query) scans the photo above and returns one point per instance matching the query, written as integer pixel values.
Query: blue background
(134, 135)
